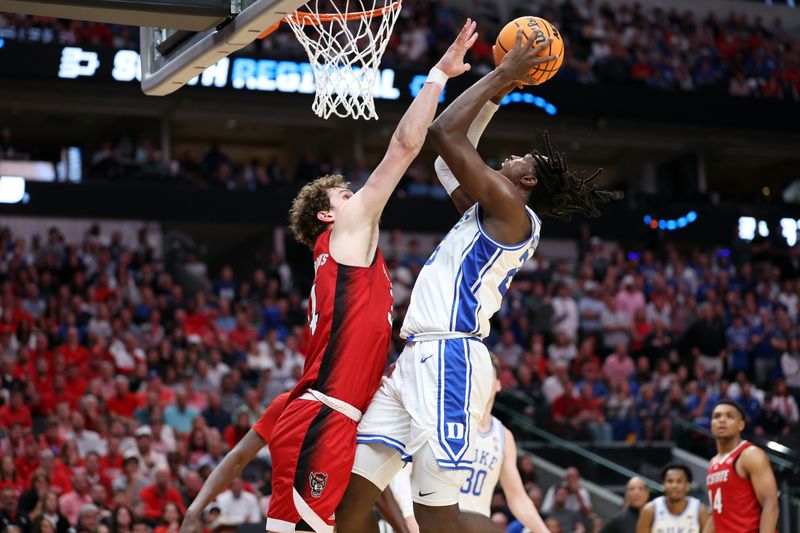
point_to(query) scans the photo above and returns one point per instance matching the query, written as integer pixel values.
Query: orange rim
(307, 18)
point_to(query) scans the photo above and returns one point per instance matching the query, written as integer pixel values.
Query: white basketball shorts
(427, 411)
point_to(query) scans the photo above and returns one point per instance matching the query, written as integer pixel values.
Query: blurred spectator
(616, 326)
(567, 519)
(636, 496)
(9, 516)
(618, 367)
(71, 503)
(706, 339)
(507, 350)
(133, 480)
(576, 498)
(239, 505)
(179, 416)
(157, 495)
(565, 310)
(171, 517)
(50, 513)
(122, 520)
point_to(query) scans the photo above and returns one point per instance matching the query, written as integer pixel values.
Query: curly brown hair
(312, 199)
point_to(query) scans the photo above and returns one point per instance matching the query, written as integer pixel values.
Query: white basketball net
(345, 54)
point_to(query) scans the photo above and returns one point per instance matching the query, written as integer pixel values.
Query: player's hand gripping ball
(542, 30)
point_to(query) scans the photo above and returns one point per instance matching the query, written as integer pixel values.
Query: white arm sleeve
(476, 129)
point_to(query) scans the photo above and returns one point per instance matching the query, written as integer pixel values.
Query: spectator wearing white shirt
(566, 317)
(239, 505)
(562, 350)
(86, 440)
(616, 326)
(553, 385)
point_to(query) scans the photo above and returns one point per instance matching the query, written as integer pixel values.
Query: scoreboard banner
(24, 60)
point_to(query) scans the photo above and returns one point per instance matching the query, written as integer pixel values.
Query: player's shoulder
(752, 454)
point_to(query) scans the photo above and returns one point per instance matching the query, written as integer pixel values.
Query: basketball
(508, 38)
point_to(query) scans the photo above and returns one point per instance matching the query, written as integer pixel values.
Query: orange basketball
(508, 38)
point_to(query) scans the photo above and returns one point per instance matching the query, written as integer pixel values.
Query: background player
(742, 491)
(496, 460)
(430, 407)
(675, 510)
(350, 315)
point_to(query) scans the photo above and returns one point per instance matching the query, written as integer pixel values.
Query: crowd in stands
(659, 47)
(120, 388)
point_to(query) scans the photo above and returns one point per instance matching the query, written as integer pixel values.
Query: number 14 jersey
(731, 497)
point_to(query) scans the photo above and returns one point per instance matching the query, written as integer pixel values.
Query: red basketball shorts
(312, 449)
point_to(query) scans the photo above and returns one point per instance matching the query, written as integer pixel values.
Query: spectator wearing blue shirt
(180, 415)
(738, 337)
(767, 344)
(750, 403)
(225, 286)
(591, 308)
(215, 416)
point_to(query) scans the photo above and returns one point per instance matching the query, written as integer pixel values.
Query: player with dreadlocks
(430, 407)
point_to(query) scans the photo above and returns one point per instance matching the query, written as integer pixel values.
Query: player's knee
(358, 499)
(436, 519)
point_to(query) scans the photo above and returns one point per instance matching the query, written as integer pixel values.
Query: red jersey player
(350, 313)
(742, 492)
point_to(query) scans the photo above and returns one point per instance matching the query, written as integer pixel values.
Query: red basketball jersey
(731, 497)
(350, 320)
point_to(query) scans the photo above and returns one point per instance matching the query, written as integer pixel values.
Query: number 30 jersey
(484, 473)
(350, 319)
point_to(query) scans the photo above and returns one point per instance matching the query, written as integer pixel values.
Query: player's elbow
(406, 146)
(436, 134)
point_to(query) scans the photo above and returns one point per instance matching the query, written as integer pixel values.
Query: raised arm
(496, 194)
(756, 465)
(519, 503)
(461, 199)
(354, 237)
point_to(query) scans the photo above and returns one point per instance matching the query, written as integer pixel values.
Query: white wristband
(446, 177)
(438, 77)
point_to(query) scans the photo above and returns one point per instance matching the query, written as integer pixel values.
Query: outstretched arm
(461, 199)
(518, 501)
(354, 237)
(756, 464)
(496, 194)
(221, 478)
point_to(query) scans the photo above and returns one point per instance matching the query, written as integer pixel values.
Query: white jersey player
(430, 407)
(496, 460)
(674, 512)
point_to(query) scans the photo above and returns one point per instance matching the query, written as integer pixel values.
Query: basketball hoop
(345, 49)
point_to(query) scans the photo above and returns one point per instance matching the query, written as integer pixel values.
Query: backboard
(171, 58)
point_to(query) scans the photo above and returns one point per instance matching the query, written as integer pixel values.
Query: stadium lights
(12, 190)
(530, 99)
(778, 447)
(670, 224)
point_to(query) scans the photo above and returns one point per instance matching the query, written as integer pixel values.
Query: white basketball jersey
(462, 284)
(666, 522)
(484, 473)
